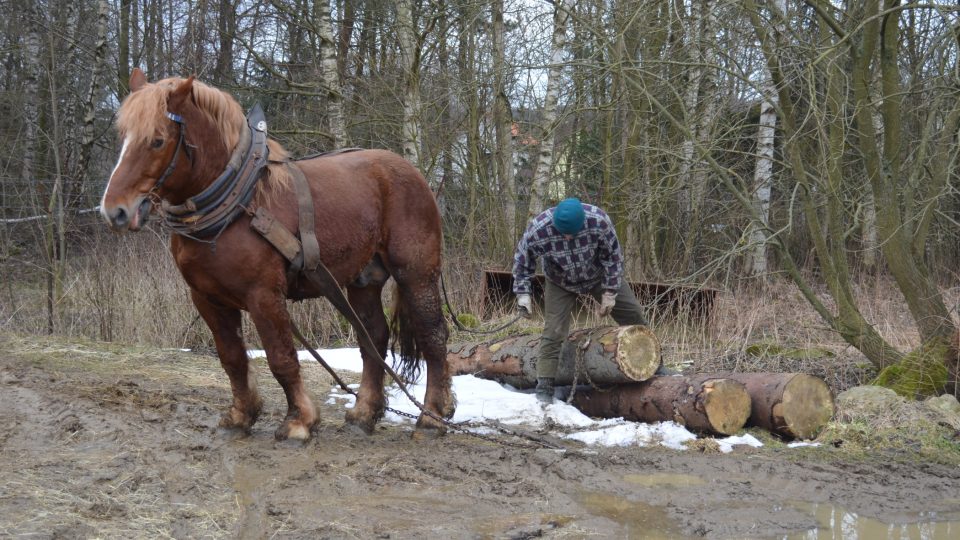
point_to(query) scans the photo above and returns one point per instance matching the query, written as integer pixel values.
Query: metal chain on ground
(462, 427)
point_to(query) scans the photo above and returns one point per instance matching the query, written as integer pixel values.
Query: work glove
(607, 301)
(524, 305)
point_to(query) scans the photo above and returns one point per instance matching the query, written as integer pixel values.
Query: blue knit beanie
(568, 216)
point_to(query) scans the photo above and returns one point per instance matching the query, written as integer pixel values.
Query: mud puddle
(837, 523)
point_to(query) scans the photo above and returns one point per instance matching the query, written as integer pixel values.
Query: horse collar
(208, 213)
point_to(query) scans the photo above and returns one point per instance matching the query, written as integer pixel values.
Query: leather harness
(208, 213)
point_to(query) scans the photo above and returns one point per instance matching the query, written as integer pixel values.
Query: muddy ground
(102, 441)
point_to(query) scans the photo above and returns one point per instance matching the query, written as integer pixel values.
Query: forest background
(801, 157)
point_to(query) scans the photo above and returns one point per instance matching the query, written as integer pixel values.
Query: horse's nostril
(120, 218)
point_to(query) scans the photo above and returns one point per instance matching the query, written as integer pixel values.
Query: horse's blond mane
(142, 116)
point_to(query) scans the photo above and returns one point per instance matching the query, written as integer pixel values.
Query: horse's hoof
(355, 422)
(429, 428)
(364, 418)
(234, 419)
(292, 430)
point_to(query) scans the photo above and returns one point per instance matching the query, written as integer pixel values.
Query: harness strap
(208, 213)
(308, 235)
(212, 196)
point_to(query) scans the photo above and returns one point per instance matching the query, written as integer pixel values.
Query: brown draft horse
(375, 215)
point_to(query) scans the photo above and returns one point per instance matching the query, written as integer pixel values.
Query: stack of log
(615, 370)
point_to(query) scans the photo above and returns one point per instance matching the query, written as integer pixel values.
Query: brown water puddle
(638, 519)
(836, 523)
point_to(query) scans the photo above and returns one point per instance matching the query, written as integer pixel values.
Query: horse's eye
(156, 143)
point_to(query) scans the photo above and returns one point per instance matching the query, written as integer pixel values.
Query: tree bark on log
(794, 405)
(608, 355)
(702, 403)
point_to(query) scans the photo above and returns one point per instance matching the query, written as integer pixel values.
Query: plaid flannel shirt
(592, 256)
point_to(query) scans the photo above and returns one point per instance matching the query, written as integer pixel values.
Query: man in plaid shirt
(581, 255)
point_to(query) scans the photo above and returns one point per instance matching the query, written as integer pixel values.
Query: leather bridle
(181, 125)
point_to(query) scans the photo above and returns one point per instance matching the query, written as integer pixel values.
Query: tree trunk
(410, 129)
(702, 403)
(503, 124)
(227, 28)
(794, 405)
(763, 179)
(88, 136)
(348, 19)
(606, 355)
(331, 76)
(544, 170)
(123, 50)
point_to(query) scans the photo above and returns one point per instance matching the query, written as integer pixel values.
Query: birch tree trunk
(410, 57)
(331, 76)
(31, 89)
(544, 169)
(763, 178)
(763, 170)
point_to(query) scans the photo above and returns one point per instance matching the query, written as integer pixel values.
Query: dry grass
(127, 290)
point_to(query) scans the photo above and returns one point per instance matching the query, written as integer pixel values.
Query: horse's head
(162, 126)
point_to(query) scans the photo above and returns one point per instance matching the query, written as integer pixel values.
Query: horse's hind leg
(423, 315)
(225, 325)
(370, 399)
(268, 310)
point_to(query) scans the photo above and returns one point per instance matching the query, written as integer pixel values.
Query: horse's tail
(406, 353)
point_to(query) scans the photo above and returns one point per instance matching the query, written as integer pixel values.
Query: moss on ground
(921, 373)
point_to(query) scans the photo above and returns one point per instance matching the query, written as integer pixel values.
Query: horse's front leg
(268, 310)
(224, 323)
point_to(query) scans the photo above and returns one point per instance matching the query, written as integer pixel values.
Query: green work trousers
(558, 306)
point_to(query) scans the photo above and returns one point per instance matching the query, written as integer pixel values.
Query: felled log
(795, 405)
(702, 403)
(607, 355)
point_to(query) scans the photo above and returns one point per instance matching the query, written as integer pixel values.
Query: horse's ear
(182, 92)
(137, 80)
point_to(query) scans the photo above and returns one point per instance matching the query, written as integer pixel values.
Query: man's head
(568, 216)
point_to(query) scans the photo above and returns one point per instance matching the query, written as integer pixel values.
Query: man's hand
(524, 305)
(607, 301)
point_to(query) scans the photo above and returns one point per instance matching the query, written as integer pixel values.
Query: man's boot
(545, 390)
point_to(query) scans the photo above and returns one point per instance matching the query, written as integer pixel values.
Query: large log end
(726, 404)
(638, 352)
(807, 406)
